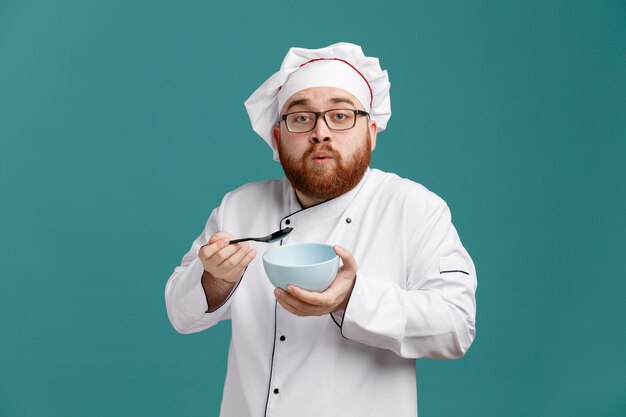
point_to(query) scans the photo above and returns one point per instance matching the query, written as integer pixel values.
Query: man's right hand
(223, 266)
(224, 261)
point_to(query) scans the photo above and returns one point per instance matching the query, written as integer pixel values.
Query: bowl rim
(301, 244)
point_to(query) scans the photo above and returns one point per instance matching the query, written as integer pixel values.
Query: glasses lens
(341, 119)
(300, 122)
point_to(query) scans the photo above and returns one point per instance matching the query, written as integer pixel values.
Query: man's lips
(321, 156)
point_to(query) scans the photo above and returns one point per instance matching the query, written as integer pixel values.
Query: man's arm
(433, 317)
(223, 267)
(186, 291)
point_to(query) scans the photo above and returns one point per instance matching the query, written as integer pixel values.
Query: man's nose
(321, 132)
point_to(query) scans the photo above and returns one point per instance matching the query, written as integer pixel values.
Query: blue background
(122, 125)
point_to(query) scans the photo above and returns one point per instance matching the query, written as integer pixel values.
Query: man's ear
(373, 130)
(276, 134)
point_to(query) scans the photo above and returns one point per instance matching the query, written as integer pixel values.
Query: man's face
(324, 164)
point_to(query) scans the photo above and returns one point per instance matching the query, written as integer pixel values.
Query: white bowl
(310, 266)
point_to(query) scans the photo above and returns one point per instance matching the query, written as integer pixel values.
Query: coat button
(287, 221)
(348, 220)
(282, 338)
(276, 391)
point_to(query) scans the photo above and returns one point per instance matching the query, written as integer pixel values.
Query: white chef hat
(342, 65)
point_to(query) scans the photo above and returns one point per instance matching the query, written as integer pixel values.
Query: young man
(406, 289)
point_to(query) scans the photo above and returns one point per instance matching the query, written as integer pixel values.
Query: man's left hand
(307, 303)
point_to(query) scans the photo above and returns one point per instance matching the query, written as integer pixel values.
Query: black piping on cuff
(347, 305)
(229, 295)
(335, 320)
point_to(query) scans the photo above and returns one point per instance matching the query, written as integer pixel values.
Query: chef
(406, 287)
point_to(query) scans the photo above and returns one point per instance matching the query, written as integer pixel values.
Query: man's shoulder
(254, 191)
(256, 186)
(391, 186)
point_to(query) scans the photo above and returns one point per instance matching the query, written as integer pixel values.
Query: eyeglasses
(336, 119)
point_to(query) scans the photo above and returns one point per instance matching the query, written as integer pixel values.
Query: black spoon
(269, 238)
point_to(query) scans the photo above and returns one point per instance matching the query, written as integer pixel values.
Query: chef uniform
(413, 297)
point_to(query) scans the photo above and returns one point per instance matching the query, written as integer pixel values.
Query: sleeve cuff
(190, 312)
(366, 322)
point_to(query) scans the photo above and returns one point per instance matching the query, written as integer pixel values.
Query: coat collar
(320, 213)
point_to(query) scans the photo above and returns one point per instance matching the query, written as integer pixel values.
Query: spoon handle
(245, 239)
(267, 239)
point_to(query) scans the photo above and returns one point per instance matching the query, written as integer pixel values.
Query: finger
(234, 260)
(289, 308)
(210, 249)
(349, 263)
(222, 258)
(302, 308)
(217, 253)
(309, 297)
(220, 235)
(236, 271)
(281, 297)
(248, 258)
(299, 311)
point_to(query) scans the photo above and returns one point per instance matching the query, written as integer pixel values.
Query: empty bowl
(310, 266)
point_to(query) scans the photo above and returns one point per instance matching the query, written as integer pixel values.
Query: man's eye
(342, 116)
(301, 118)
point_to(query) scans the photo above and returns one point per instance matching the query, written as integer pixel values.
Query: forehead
(320, 98)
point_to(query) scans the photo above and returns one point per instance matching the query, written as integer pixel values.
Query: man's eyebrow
(301, 102)
(305, 101)
(337, 100)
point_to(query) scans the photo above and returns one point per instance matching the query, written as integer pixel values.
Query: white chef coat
(414, 297)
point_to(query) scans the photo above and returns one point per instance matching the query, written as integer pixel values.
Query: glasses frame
(323, 114)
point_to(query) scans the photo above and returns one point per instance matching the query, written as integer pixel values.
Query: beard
(325, 182)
